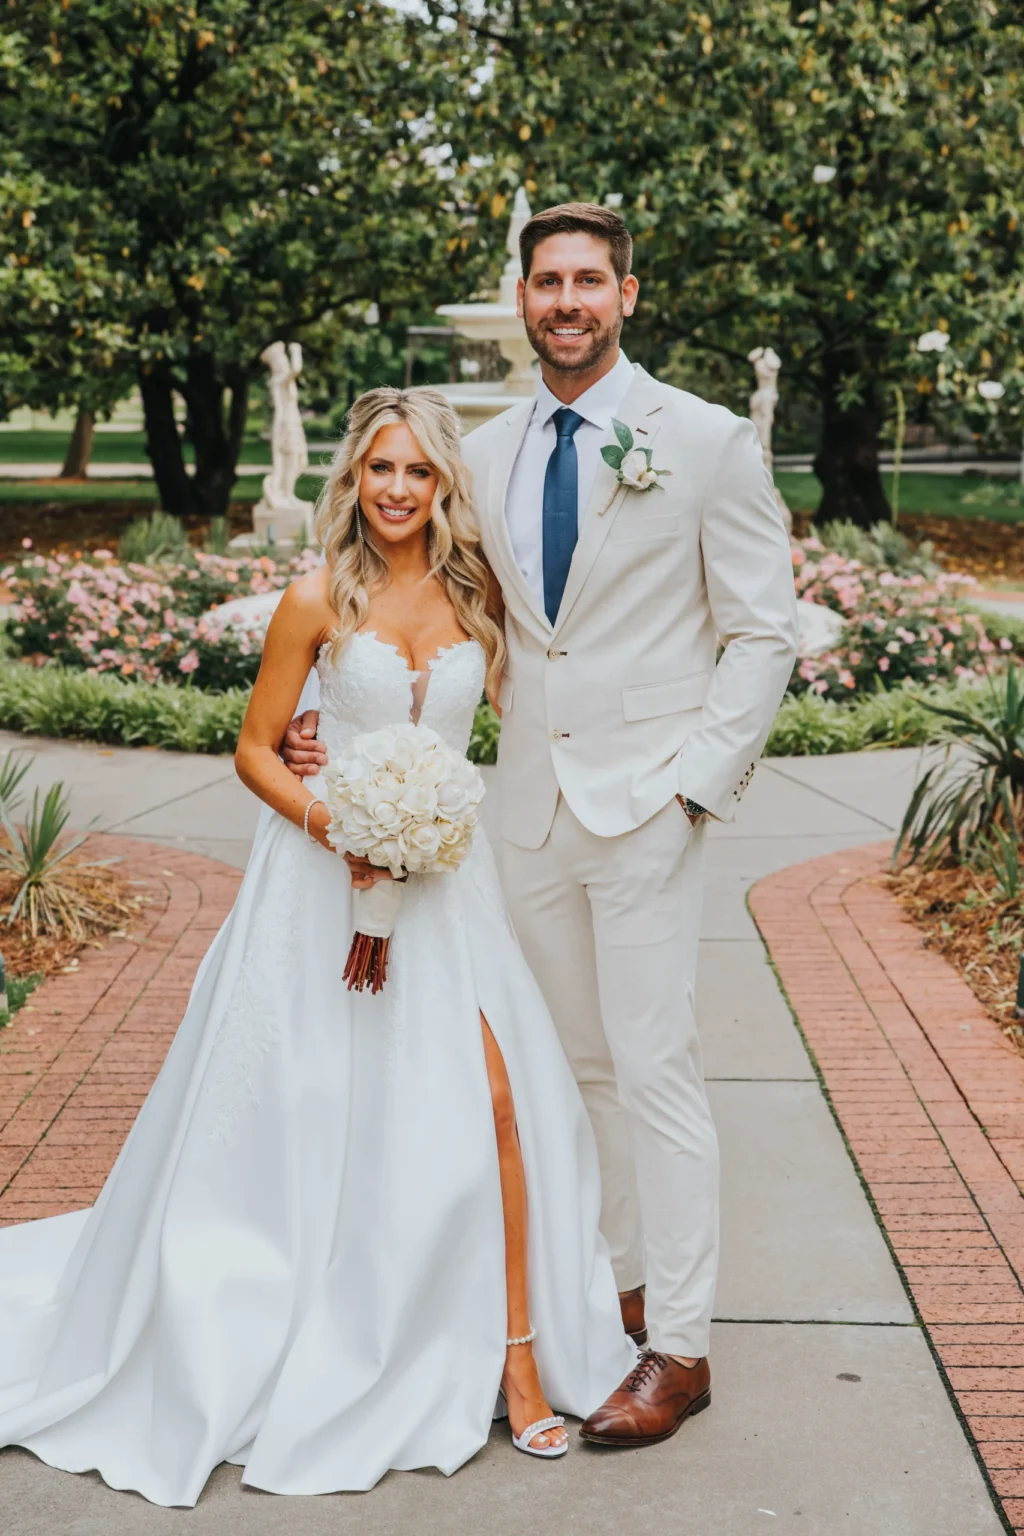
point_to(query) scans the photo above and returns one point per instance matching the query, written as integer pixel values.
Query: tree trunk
(163, 443)
(216, 435)
(76, 460)
(847, 461)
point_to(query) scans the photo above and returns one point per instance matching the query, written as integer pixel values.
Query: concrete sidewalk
(829, 1415)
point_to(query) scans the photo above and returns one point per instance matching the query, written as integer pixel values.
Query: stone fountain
(496, 321)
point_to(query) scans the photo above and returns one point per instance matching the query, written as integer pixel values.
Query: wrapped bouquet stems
(402, 799)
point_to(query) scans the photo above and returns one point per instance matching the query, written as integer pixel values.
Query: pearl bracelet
(305, 824)
(527, 1338)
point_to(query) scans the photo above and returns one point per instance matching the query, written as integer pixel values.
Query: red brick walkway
(930, 1096)
(79, 1058)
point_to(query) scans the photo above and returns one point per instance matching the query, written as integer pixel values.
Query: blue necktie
(561, 509)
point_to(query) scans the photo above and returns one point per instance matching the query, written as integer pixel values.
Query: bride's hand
(365, 874)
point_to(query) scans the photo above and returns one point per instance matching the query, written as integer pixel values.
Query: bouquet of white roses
(403, 799)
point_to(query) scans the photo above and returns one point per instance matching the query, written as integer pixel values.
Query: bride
(341, 1222)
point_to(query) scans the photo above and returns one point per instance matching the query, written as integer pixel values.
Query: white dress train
(297, 1262)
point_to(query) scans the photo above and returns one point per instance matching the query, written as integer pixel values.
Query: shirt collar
(598, 404)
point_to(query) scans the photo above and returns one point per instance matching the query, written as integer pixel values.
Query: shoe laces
(649, 1364)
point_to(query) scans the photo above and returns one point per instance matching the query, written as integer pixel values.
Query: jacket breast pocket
(643, 530)
(671, 698)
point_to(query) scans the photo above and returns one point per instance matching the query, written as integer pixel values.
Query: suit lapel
(510, 576)
(640, 412)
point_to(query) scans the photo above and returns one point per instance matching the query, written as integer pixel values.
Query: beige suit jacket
(621, 704)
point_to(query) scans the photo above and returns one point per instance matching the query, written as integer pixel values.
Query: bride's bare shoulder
(305, 605)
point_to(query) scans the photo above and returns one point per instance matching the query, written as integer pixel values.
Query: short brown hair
(580, 218)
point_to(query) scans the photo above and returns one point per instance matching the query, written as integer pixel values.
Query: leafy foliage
(882, 546)
(57, 701)
(181, 185)
(976, 794)
(12, 770)
(844, 177)
(156, 537)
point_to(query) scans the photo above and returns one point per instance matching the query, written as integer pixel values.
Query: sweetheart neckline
(371, 634)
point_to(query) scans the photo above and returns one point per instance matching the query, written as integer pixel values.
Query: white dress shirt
(524, 504)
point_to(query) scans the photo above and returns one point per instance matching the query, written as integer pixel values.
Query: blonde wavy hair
(357, 568)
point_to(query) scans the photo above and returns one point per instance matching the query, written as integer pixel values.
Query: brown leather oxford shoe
(656, 1397)
(633, 1320)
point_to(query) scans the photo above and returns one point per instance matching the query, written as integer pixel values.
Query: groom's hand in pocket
(300, 750)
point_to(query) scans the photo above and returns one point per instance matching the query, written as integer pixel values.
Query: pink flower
(26, 543)
(1005, 644)
(883, 663)
(189, 662)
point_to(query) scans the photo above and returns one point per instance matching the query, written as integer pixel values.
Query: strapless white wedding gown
(297, 1262)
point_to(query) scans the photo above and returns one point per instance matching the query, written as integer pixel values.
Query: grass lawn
(107, 448)
(118, 447)
(996, 500)
(247, 488)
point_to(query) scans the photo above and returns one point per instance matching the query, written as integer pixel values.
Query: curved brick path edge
(80, 1056)
(929, 1096)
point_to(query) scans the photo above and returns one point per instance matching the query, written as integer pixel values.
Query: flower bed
(148, 624)
(899, 629)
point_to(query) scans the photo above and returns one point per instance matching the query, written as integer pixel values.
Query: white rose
(633, 466)
(388, 854)
(991, 389)
(418, 799)
(420, 846)
(823, 174)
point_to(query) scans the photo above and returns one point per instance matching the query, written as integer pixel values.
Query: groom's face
(571, 302)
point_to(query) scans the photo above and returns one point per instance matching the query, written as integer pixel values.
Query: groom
(621, 736)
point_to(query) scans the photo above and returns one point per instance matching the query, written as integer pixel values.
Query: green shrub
(161, 536)
(483, 743)
(57, 701)
(809, 726)
(881, 547)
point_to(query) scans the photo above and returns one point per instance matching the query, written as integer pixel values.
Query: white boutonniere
(633, 465)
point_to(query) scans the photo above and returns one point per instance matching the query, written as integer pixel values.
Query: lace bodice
(371, 686)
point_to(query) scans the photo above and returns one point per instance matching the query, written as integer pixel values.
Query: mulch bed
(958, 914)
(977, 546)
(78, 526)
(974, 545)
(109, 908)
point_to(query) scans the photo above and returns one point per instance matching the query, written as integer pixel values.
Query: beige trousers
(610, 928)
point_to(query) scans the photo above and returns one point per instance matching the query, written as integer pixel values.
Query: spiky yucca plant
(52, 896)
(12, 770)
(959, 804)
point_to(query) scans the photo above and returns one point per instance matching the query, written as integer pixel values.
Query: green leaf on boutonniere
(624, 435)
(613, 456)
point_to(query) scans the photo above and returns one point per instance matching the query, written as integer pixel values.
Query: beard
(595, 345)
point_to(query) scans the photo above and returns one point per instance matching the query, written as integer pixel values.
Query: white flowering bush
(402, 798)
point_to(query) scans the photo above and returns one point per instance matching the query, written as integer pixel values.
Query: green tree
(833, 180)
(182, 183)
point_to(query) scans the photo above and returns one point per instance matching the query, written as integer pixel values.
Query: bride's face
(397, 486)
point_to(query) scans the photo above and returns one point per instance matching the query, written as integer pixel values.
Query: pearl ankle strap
(527, 1338)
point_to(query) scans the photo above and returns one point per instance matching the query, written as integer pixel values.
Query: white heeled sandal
(522, 1442)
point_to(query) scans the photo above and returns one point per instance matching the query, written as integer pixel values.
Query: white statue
(766, 362)
(280, 514)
